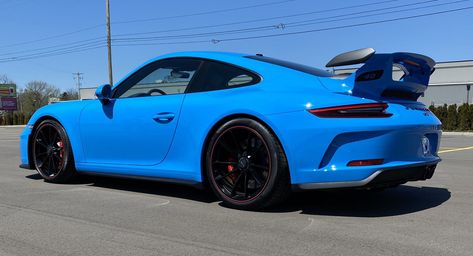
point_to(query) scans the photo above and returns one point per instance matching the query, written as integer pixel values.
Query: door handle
(164, 117)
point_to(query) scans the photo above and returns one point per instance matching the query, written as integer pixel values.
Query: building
(450, 83)
(87, 93)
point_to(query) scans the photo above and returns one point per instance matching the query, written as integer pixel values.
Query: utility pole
(78, 77)
(109, 44)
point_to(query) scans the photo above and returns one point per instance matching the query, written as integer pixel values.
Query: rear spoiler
(375, 78)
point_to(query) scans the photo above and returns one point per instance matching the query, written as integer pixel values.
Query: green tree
(435, 110)
(21, 118)
(464, 117)
(444, 113)
(15, 118)
(8, 118)
(451, 123)
(440, 112)
(469, 114)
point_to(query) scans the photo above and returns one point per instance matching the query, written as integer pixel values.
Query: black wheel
(52, 154)
(246, 166)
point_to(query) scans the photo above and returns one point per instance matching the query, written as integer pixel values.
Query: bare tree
(70, 94)
(5, 80)
(37, 94)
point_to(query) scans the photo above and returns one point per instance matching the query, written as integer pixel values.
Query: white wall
(87, 93)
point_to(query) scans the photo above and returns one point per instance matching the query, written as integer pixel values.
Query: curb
(469, 134)
(12, 126)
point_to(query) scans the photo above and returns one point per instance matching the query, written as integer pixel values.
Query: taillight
(368, 110)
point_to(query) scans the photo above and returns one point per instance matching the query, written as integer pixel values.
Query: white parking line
(455, 149)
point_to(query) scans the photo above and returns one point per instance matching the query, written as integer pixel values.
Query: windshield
(292, 65)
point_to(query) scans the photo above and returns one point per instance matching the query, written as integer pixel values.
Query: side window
(160, 78)
(218, 76)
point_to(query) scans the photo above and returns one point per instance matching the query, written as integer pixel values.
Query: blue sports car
(250, 127)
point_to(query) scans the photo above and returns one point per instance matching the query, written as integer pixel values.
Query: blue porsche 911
(250, 127)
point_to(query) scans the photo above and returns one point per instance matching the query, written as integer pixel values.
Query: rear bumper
(380, 178)
(319, 150)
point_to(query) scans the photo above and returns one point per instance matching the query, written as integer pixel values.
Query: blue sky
(49, 27)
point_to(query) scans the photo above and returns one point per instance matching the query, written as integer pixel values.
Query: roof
(204, 54)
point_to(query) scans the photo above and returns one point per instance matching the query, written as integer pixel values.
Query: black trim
(397, 176)
(191, 183)
(389, 93)
(25, 166)
(370, 76)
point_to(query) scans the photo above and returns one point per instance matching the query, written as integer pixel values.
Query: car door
(137, 126)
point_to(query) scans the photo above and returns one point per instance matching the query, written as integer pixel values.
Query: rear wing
(375, 78)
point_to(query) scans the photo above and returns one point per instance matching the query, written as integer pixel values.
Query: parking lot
(110, 216)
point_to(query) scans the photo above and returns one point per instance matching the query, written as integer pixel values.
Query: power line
(76, 47)
(285, 25)
(311, 22)
(67, 45)
(314, 30)
(260, 19)
(135, 21)
(52, 54)
(99, 39)
(94, 41)
(181, 16)
(204, 13)
(346, 26)
(244, 38)
(51, 37)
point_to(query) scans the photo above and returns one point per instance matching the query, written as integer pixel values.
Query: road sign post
(9, 103)
(8, 100)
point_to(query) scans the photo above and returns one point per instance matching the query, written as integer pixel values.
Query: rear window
(292, 65)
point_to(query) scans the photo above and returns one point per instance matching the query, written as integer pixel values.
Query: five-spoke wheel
(51, 152)
(246, 166)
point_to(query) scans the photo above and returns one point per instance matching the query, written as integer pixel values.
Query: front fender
(67, 114)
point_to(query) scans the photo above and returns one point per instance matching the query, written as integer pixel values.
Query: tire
(52, 153)
(246, 166)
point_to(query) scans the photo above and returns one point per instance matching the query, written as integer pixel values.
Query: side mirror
(104, 93)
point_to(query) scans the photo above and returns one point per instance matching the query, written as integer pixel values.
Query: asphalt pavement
(110, 216)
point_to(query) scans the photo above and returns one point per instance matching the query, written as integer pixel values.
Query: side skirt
(194, 184)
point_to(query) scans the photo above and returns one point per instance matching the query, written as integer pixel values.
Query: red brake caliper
(61, 146)
(230, 169)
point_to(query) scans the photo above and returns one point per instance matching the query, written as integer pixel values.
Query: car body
(166, 137)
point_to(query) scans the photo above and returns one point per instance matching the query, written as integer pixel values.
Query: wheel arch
(33, 130)
(220, 123)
